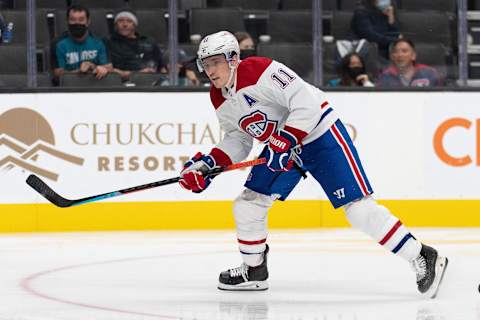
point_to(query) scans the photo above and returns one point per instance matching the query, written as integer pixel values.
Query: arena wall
(421, 152)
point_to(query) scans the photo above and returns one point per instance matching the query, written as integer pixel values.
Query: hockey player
(258, 98)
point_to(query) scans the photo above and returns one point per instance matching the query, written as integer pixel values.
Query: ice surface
(328, 274)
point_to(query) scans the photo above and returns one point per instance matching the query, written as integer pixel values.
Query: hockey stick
(41, 187)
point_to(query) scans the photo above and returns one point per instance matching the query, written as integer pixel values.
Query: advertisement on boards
(412, 145)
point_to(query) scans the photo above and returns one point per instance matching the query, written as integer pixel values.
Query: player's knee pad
(370, 217)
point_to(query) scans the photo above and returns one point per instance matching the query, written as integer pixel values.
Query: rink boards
(420, 151)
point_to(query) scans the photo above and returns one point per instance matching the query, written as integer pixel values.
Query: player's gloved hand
(192, 176)
(280, 151)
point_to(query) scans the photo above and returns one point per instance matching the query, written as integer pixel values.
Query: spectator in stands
(77, 51)
(375, 21)
(352, 72)
(246, 44)
(185, 68)
(131, 51)
(405, 71)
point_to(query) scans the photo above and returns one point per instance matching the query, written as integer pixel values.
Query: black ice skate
(430, 268)
(245, 278)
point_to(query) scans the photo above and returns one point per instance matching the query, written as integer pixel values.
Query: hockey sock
(250, 209)
(377, 221)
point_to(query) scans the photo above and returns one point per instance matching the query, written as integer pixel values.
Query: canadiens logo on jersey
(258, 126)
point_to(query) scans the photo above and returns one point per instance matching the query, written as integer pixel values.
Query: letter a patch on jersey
(251, 101)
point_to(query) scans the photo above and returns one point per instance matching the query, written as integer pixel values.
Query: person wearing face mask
(405, 71)
(246, 44)
(352, 72)
(375, 21)
(78, 51)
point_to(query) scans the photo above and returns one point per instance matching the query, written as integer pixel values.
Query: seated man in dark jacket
(130, 51)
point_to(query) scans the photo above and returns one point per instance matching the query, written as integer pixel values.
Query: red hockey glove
(193, 176)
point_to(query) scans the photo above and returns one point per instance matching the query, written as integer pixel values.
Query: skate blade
(246, 286)
(440, 267)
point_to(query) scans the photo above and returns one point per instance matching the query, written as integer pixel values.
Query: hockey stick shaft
(41, 187)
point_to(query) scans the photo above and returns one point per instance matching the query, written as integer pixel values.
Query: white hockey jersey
(266, 97)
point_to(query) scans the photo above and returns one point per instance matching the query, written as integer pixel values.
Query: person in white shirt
(259, 98)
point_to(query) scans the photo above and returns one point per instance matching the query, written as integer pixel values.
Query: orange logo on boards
(441, 150)
(26, 136)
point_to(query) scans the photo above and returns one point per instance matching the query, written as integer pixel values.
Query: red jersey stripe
(351, 159)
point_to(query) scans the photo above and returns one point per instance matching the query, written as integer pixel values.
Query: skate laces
(240, 271)
(419, 265)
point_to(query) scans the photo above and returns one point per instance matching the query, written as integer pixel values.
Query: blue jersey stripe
(324, 115)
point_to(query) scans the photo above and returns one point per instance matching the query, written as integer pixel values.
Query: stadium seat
(20, 80)
(297, 56)
(45, 17)
(431, 53)
(52, 4)
(251, 4)
(44, 80)
(341, 25)
(98, 22)
(207, 21)
(349, 5)
(327, 5)
(474, 5)
(163, 4)
(435, 55)
(110, 4)
(14, 59)
(89, 80)
(437, 5)
(429, 28)
(290, 26)
(148, 4)
(147, 79)
(152, 23)
(189, 4)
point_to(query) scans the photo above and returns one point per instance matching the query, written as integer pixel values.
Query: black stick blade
(41, 187)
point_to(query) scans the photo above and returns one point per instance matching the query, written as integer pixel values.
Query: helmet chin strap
(232, 72)
(230, 78)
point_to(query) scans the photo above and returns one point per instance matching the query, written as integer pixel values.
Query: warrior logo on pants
(258, 126)
(340, 193)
